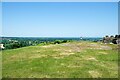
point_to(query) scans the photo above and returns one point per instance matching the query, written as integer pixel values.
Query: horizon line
(55, 37)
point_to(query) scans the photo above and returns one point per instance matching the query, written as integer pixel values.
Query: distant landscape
(17, 42)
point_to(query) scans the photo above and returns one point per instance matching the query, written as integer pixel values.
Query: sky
(59, 19)
(0, 18)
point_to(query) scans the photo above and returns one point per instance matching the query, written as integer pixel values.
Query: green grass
(69, 60)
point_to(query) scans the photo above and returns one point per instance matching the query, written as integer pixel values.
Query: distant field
(68, 60)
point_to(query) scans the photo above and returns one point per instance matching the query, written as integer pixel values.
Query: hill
(79, 59)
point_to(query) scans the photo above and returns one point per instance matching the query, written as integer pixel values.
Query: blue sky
(57, 19)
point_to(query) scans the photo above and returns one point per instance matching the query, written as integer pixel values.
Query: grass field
(68, 60)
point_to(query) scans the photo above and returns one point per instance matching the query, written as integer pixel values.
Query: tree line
(18, 43)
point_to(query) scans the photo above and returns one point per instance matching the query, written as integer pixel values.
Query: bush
(110, 39)
(57, 42)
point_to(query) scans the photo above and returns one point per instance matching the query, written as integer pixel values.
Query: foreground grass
(68, 60)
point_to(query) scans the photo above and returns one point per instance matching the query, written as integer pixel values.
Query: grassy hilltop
(81, 59)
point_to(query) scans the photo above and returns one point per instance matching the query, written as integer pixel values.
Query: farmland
(77, 59)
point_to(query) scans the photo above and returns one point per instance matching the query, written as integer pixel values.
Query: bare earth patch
(98, 46)
(73, 66)
(91, 58)
(105, 47)
(94, 74)
(103, 52)
(94, 44)
(56, 57)
(69, 48)
(66, 54)
(63, 50)
(78, 47)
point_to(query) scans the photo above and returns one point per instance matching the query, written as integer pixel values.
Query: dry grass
(69, 60)
(95, 74)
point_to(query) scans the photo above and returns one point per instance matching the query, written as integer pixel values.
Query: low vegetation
(77, 59)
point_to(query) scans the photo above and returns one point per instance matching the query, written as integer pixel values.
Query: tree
(111, 38)
(57, 42)
(107, 39)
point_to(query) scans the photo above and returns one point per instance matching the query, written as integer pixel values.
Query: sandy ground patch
(91, 58)
(94, 44)
(63, 50)
(56, 57)
(72, 49)
(69, 48)
(73, 66)
(78, 47)
(106, 47)
(103, 52)
(98, 46)
(64, 54)
(101, 48)
(94, 74)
